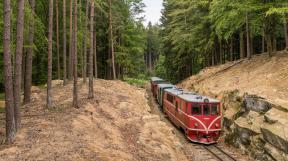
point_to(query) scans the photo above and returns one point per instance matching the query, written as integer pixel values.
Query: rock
(275, 129)
(252, 121)
(255, 103)
(275, 153)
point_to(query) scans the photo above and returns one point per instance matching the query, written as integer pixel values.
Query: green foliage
(192, 30)
(136, 82)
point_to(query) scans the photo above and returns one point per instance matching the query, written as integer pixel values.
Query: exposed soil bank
(116, 125)
(254, 95)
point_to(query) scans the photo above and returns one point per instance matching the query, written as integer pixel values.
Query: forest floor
(116, 125)
(262, 76)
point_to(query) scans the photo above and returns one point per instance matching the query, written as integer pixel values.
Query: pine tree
(29, 57)
(9, 99)
(50, 47)
(112, 40)
(64, 45)
(57, 40)
(74, 56)
(18, 62)
(91, 93)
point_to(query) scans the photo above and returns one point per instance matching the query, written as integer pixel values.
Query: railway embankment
(254, 99)
(116, 125)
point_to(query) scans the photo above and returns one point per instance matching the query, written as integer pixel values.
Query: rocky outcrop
(256, 126)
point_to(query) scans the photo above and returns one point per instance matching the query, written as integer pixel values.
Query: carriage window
(196, 109)
(206, 110)
(215, 110)
(170, 98)
(176, 105)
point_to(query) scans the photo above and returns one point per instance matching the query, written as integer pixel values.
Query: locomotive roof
(190, 96)
(165, 85)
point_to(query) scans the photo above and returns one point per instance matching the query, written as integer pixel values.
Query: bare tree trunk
(248, 37)
(90, 94)
(57, 39)
(64, 45)
(74, 57)
(263, 41)
(29, 58)
(50, 37)
(81, 48)
(269, 44)
(221, 52)
(8, 80)
(112, 40)
(18, 62)
(85, 44)
(231, 49)
(285, 32)
(95, 53)
(242, 48)
(70, 63)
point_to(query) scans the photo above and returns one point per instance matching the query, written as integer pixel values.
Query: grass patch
(136, 82)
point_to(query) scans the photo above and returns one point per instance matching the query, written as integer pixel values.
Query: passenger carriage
(154, 82)
(198, 116)
(160, 92)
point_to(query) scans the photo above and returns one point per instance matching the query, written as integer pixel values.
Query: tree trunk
(274, 43)
(64, 45)
(91, 93)
(269, 44)
(111, 40)
(18, 62)
(70, 64)
(95, 53)
(57, 40)
(242, 48)
(74, 57)
(285, 32)
(8, 80)
(81, 48)
(50, 39)
(231, 49)
(221, 52)
(85, 44)
(248, 37)
(29, 58)
(263, 41)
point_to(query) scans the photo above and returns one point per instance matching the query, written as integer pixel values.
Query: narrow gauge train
(198, 116)
(154, 82)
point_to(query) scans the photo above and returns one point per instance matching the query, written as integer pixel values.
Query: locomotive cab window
(206, 110)
(196, 109)
(215, 110)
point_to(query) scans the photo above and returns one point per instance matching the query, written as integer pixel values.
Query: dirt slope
(116, 125)
(262, 76)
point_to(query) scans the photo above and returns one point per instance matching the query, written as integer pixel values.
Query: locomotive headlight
(196, 125)
(216, 125)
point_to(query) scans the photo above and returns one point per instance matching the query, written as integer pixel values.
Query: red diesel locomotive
(198, 116)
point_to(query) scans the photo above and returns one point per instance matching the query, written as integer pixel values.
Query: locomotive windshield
(205, 109)
(196, 109)
(215, 109)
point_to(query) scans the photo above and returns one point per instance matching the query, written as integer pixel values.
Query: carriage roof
(166, 85)
(190, 96)
(153, 79)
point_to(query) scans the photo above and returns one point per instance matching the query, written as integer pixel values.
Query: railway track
(219, 153)
(198, 152)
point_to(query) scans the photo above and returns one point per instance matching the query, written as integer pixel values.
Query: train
(198, 116)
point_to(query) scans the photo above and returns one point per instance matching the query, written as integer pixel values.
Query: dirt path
(116, 125)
